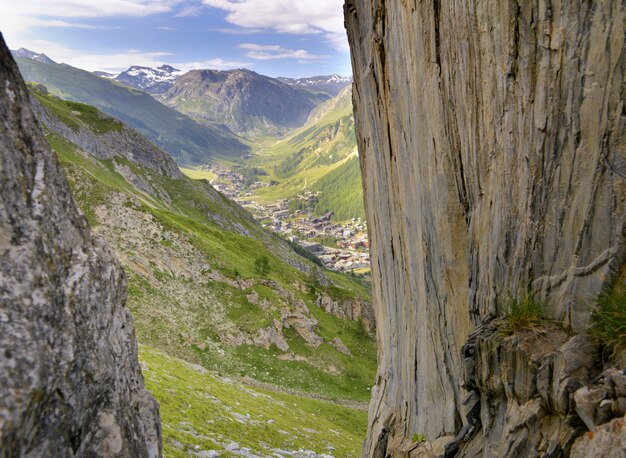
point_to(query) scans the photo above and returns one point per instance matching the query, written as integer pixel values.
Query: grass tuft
(522, 312)
(419, 438)
(608, 319)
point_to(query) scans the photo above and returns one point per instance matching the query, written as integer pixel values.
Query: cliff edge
(70, 381)
(492, 145)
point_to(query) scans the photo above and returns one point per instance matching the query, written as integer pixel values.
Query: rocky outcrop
(70, 381)
(353, 308)
(608, 441)
(534, 392)
(491, 138)
(119, 142)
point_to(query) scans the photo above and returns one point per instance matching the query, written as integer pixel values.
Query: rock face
(492, 138)
(534, 392)
(70, 382)
(121, 141)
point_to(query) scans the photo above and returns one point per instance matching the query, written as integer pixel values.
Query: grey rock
(491, 138)
(70, 381)
(587, 402)
(618, 380)
(606, 441)
(272, 335)
(349, 308)
(304, 325)
(340, 346)
(207, 454)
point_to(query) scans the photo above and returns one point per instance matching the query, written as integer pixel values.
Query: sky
(293, 38)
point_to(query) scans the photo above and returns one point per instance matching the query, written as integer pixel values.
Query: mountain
(246, 102)
(321, 156)
(151, 80)
(331, 84)
(182, 137)
(217, 300)
(28, 54)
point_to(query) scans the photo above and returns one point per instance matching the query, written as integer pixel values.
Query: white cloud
(288, 16)
(229, 31)
(20, 17)
(257, 47)
(120, 61)
(189, 10)
(164, 27)
(270, 52)
(213, 64)
(87, 8)
(290, 54)
(109, 62)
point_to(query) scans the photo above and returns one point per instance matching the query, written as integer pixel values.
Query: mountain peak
(152, 80)
(168, 68)
(28, 54)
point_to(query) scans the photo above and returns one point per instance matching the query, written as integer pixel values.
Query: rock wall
(492, 145)
(70, 381)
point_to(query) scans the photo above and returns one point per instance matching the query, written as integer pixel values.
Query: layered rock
(70, 381)
(491, 137)
(534, 392)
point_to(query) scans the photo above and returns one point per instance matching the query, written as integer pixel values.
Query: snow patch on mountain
(152, 80)
(331, 84)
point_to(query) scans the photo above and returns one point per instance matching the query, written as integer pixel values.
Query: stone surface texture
(492, 145)
(70, 381)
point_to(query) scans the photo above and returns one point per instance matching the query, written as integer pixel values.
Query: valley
(220, 303)
(340, 246)
(197, 260)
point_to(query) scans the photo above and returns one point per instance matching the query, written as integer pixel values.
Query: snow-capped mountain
(27, 53)
(331, 84)
(151, 80)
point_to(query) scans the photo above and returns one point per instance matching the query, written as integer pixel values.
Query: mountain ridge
(245, 101)
(331, 84)
(186, 140)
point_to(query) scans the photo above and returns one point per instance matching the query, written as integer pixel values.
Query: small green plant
(419, 438)
(608, 319)
(522, 312)
(262, 265)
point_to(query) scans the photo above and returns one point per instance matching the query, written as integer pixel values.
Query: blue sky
(273, 37)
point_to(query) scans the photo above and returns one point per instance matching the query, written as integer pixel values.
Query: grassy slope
(201, 411)
(185, 139)
(341, 191)
(325, 145)
(181, 310)
(197, 174)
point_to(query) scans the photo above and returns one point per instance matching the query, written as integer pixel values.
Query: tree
(262, 265)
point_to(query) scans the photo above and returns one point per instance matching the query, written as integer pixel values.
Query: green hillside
(198, 295)
(185, 139)
(341, 191)
(318, 157)
(201, 411)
